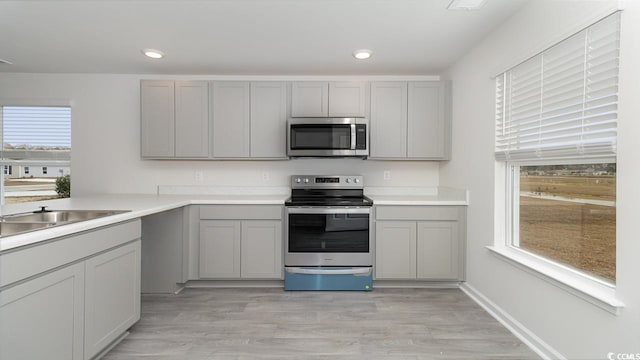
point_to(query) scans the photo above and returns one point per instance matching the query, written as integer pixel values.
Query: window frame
(588, 287)
(5, 102)
(512, 223)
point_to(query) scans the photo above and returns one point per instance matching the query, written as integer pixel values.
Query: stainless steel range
(328, 242)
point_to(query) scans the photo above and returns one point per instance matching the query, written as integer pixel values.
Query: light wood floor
(273, 324)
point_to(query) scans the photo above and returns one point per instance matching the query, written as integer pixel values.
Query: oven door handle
(352, 271)
(327, 210)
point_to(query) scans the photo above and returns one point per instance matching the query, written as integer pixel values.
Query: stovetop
(328, 190)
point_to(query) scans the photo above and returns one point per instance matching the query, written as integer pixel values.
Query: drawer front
(411, 212)
(241, 212)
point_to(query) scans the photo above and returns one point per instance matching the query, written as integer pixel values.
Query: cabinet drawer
(409, 212)
(241, 212)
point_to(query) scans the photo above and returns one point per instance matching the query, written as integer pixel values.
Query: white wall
(570, 326)
(106, 147)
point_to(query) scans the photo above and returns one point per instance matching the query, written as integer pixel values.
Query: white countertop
(417, 196)
(143, 205)
(138, 206)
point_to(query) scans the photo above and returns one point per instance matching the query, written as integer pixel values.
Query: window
(34, 138)
(556, 130)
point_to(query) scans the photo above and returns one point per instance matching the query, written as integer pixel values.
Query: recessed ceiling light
(466, 4)
(2, 61)
(153, 53)
(362, 54)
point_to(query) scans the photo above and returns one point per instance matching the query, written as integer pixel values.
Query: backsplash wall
(106, 141)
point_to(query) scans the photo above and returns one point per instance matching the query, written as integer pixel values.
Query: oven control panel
(327, 181)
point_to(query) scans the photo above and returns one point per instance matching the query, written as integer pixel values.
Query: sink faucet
(43, 209)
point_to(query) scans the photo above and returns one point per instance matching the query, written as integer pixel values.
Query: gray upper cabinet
(157, 118)
(310, 99)
(329, 99)
(347, 99)
(428, 128)
(388, 120)
(192, 119)
(268, 119)
(230, 119)
(410, 121)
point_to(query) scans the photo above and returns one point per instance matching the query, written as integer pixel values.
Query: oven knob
(356, 180)
(348, 180)
(298, 180)
(306, 180)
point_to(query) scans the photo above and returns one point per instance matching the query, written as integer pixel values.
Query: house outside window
(34, 138)
(556, 123)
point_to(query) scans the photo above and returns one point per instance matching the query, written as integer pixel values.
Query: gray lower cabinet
(410, 120)
(43, 318)
(261, 249)
(396, 250)
(220, 249)
(240, 242)
(112, 296)
(420, 242)
(70, 298)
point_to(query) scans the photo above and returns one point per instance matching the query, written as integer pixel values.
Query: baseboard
(530, 339)
(409, 284)
(234, 284)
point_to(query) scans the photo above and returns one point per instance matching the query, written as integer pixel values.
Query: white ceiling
(242, 37)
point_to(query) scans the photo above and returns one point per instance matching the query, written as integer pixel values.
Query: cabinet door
(438, 250)
(262, 249)
(112, 296)
(427, 127)
(230, 119)
(157, 118)
(395, 250)
(268, 120)
(192, 119)
(347, 99)
(43, 318)
(310, 99)
(388, 120)
(220, 249)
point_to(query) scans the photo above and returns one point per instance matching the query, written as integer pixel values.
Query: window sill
(589, 289)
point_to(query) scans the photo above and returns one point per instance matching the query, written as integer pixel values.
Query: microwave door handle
(353, 136)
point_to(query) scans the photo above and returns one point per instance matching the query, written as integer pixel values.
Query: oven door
(328, 236)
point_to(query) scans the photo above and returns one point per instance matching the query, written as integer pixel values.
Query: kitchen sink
(60, 216)
(24, 222)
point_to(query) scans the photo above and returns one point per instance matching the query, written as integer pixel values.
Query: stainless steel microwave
(328, 137)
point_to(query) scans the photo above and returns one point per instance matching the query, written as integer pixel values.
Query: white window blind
(563, 102)
(36, 133)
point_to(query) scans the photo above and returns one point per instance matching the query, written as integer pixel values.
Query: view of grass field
(557, 221)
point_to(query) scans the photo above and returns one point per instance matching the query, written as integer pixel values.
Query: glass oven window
(320, 137)
(328, 233)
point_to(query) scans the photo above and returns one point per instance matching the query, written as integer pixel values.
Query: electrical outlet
(265, 176)
(386, 175)
(198, 176)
